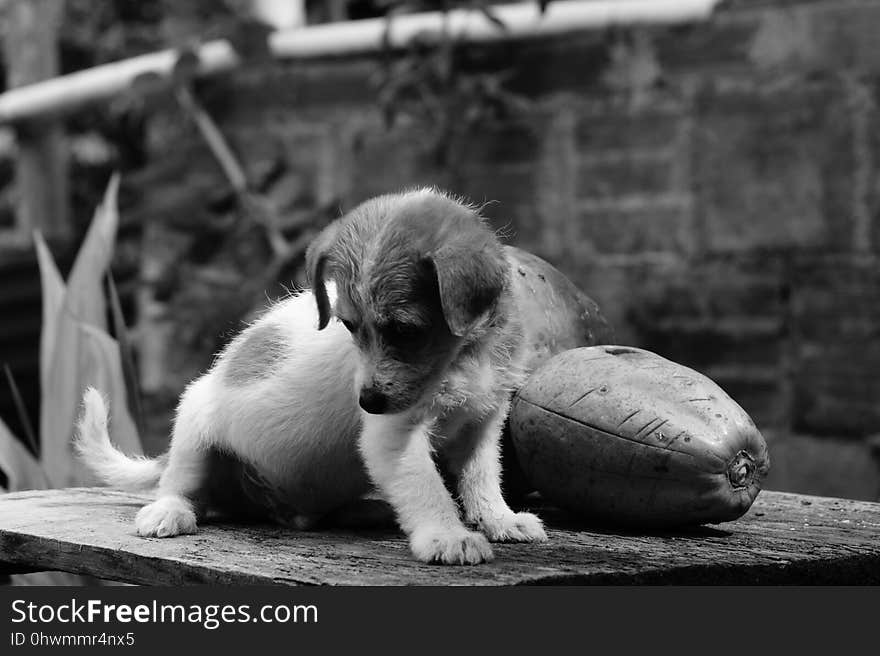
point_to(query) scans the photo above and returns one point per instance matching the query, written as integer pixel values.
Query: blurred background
(709, 172)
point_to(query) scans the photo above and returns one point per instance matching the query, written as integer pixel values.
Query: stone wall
(714, 187)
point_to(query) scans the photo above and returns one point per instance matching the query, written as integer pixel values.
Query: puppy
(398, 365)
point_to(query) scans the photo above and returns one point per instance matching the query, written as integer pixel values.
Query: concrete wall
(714, 187)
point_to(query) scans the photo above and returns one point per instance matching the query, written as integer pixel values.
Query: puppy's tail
(105, 460)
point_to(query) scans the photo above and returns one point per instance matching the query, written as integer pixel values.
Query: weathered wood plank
(784, 538)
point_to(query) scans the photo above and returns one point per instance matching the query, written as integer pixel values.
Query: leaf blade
(20, 408)
(126, 352)
(103, 370)
(23, 471)
(90, 357)
(78, 357)
(85, 293)
(53, 294)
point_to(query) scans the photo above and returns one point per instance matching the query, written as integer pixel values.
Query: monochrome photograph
(433, 293)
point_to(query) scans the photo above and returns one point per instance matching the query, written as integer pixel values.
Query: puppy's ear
(316, 259)
(470, 277)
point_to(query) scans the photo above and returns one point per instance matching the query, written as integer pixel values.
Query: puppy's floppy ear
(470, 277)
(316, 259)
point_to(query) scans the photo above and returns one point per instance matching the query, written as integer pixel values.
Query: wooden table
(784, 538)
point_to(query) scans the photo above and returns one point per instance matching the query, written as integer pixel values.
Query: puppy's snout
(373, 401)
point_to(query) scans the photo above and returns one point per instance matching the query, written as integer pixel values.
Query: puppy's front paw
(166, 517)
(514, 527)
(450, 546)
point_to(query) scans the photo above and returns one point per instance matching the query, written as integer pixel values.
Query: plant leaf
(82, 353)
(85, 292)
(53, 292)
(59, 404)
(102, 369)
(23, 471)
(20, 408)
(126, 351)
(88, 356)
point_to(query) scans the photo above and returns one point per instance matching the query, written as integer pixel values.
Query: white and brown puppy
(416, 373)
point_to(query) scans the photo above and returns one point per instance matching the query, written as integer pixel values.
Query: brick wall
(714, 187)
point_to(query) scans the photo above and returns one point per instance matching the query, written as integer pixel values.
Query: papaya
(621, 435)
(555, 315)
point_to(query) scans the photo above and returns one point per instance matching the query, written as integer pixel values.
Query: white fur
(110, 465)
(170, 515)
(398, 456)
(300, 426)
(480, 491)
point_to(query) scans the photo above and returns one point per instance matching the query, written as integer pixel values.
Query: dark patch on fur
(255, 354)
(237, 490)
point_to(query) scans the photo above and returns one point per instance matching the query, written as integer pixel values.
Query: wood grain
(784, 538)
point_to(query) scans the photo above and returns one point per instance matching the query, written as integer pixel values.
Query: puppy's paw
(514, 527)
(450, 546)
(166, 517)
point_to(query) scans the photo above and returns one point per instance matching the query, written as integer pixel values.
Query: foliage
(75, 351)
(433, 84)
(425, 81)
(429, 80)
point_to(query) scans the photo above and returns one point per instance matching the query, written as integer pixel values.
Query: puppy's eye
(351, 326)
(402, 334)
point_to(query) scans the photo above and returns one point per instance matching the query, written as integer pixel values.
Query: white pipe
(523, 19)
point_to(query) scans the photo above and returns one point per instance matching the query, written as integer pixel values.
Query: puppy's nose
(373, 401)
